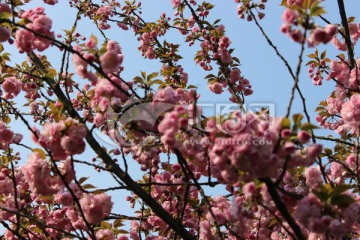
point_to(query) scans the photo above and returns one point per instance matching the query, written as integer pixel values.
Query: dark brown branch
(282, 208)
(347, 38)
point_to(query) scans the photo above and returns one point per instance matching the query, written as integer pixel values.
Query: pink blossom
(235, 75)
(303, 136)
(166, 95)
(4, 34)
(5, 8)
(320, 36)
(249, 189)
(12, 87)
(25, 40)
(6, 136)
(313, 177)
(37, 174)
(314, 150)
(112, 58)
(352, 161)
(350, 112)
(105, 234)
(308, 209)
(95, 206)
(72, 145)
(63, 138)
(216, 88)
(289, 16)
(339, 45)
(51, 2)
(296, 35)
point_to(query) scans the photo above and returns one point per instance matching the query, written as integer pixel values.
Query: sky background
(270, 80)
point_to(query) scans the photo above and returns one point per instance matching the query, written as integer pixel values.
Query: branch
(347, 38)
(282, 208)
(287, 65)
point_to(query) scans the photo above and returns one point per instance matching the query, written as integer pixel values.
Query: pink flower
(51, 2)
(5, 8)
(313, 177)
(95, 207)
(319, 35)
(216, 88)
(350, 112)
(63, 138)
(289, 16)
(235, 75)
(6, 136)
(296, 35)
(12, 87)
(72, 145)
(249, 189)
(166, 95)
(303, 136)
(314, 150)
(110, 61)
(37, 174)
(285, 133)
(308, 208)
(105, 234)
(25, 40)
(4, 34)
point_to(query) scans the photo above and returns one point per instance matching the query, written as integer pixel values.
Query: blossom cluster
(62, 139)
(7, 136)
(35, 183)
(318, 34)
(110, 60)
(26, 40)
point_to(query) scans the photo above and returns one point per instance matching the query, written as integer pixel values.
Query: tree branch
(347, 38)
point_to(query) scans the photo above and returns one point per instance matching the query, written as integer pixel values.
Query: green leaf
(88, 186)
(105, 225)
(308, 126)
(118, 223)
(151, 76)
(82, 180)
(283, 3)
(5, 15)
(297, 119)
(323, 54)
(321, 195)
(306, 4)
(342, 200)
(191, 86)
(339, 189)
(6, 119)
(328, 151)
(217, 21)
(40, 152)
(285, 123)
(157, 81)
(351, 19)
(312, 55)
(138, 79)
(317, 10)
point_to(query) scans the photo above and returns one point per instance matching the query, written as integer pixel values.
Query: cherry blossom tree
(241, 175)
